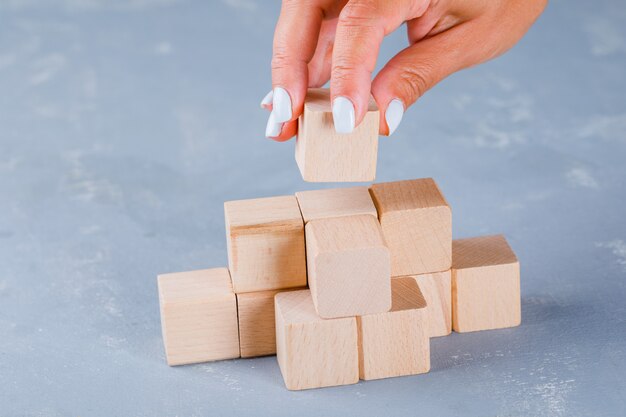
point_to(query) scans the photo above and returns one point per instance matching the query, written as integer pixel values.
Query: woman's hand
(318, 40)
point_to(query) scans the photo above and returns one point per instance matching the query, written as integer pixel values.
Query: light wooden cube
(257, 323)
(265, 239)
(437, 291)
(485, 284)
(335, 202)
(396, 343)
(348, 266)
(323, 155)
(198, 316)
(313, 352)
(417, 224)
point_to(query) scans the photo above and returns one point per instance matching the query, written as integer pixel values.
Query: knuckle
(359, 13)
(414, 81)
(280, 61)
(342, 72)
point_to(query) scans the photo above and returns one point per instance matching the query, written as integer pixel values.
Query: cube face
(323, 155)
(486, 298)
(312, 352)
(351, 283)
(337, 202)
(349, 266)
(198, 316)
(485, 284)
(417, 224)
(265, 239)
(257, 324)
(268, 261)
(437, 291)
(200, 331)
(396, 343)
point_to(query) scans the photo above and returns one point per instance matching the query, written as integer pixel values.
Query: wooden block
(396, 343)
(257, 328)
(313, 352)
(485, 284)
(437, 291)
(265, 239)
(417, 224)
(336, 202)
(198, 316)
(323, 155)
(348, 266)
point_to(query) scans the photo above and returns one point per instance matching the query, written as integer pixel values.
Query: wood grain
(485, 284)
(335, 202)
(417, 224)
(313, 352)
(257, 324)
(437, 291)
(265, 241)
(396, 343)
(323, 155)
(348, 266)
(198, 316)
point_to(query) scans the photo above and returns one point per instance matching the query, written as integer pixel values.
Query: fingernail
(267, 100)
(393, 115)
(273, 128)
(343, 115)
(282, 105)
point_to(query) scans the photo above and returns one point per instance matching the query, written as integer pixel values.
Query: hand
(318, 40)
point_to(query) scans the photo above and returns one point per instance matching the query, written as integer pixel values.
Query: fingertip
(273, 128)
(393, 115)
(286, 132)
(282, 105)
(268, 99)
(343, 115)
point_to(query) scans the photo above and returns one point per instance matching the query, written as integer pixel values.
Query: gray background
(124, 126)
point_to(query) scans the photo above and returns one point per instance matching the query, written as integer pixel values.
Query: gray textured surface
(125, 125)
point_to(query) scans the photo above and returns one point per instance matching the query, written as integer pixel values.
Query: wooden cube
(485, 284)
(335, 202)
(198, 316)
(437, 291)
(257, 323)
(396, 343)
(265, 239)
(417, 224)
(348, 266)
(313, 352)
(323, 155)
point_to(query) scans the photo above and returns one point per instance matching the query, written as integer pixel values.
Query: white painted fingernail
(282, 105)
(343, 115)
(393, 115)
(273, 128)
(267, 100)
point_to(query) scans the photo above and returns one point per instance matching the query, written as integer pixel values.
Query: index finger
(295, 39)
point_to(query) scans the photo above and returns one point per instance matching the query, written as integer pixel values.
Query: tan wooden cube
(348, 266)
(396, 343)
(417, 224)
(313, 352)
(265, 239)
(198, 316)
(437, 291)
(335, 202)
(323, 155)
(485, 284)
(257, 323)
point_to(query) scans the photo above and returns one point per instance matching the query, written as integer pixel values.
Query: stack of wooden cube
(342, 284)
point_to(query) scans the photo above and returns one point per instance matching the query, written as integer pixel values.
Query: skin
(338, 40)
